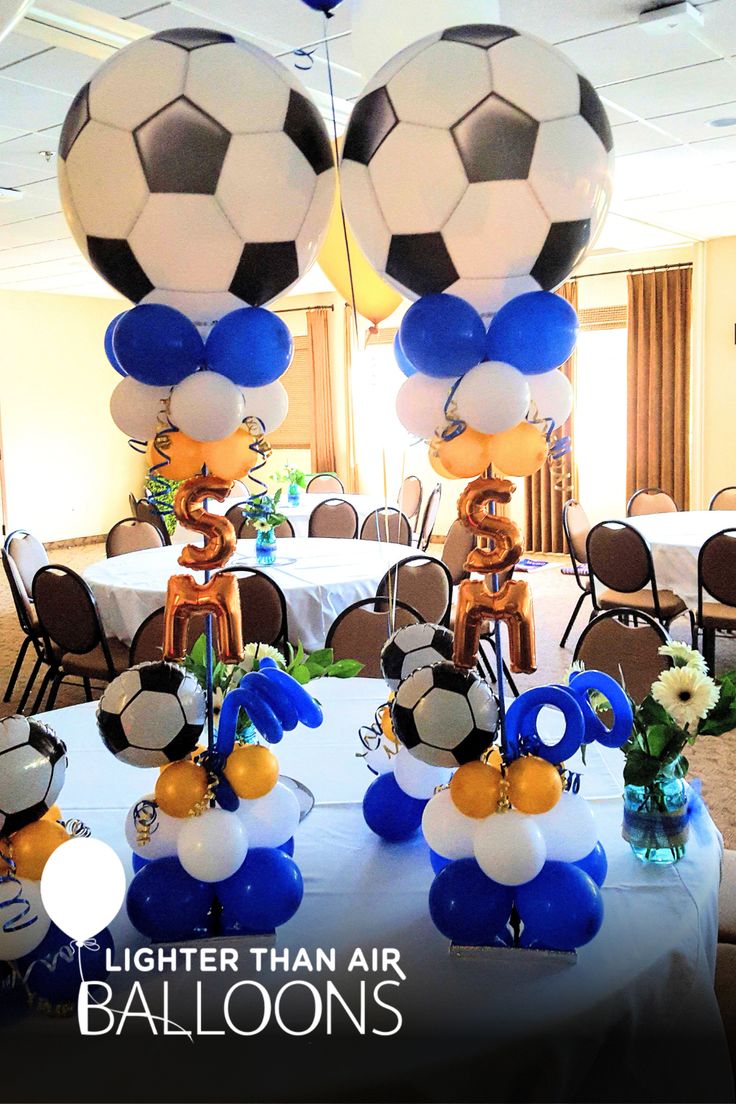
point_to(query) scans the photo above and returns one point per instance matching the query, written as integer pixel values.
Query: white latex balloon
(270, 820)
(380, 31)
(492, 397)
(270, 404)
(378, 758)
(569, 829)
(207, 406)
(213, 846)
(420, 404)
(83, 887)
(416, 778)
(135, 408)
(448, 831)
(551, 393)
(21, 941)
(509, 848)
(164, 831)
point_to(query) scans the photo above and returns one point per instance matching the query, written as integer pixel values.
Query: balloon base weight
(532, 960)
(244, 939)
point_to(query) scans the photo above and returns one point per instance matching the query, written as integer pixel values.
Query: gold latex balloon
(467, 455)
(33, 845)
(519, 451)
(232, 457)
(220, 533)
(53, 814)
(252, 770)
(475, 789)
(436, 463)
(535, 786)
(181, 787)
(386, 726)
(182, 457)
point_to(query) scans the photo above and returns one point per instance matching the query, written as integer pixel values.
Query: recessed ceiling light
(725, 121)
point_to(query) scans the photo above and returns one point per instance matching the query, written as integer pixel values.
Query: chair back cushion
(387, 525)
(148, 642)
(410, 496)
(717, 567)
(29, 556)
(459, 543)
(333, 518)
(725, 499)
(66, 609)
(576, 525)
(325, 484)
(430, 516)
(130, 535)
(423, 583)
(360, 633)
(263, 607)
(651, 502)
(628, 653)
(618, 557)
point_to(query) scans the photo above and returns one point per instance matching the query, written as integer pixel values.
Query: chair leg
(709, 649)
(87, 689)
(58, 679)
(29, 685)
(40, 695)
(17, 669)
(571, 622)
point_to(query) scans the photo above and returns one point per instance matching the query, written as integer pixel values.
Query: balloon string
(159, 485)
(559, 448)
(18, 921)
(262, 449)
(455, 426)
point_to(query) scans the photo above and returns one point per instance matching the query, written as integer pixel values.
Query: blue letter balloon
(443, 336)
(157, 345)
(402, 360)
(535, 332)
(262, 895)
(167, 905)
(251, 346)
(109, 351)
(468, 907)
(389, 812)
(561, 908)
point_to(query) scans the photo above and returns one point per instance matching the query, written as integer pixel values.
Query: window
(600, 420)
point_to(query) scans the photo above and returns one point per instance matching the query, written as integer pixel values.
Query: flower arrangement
(262, 511)
(292, 476)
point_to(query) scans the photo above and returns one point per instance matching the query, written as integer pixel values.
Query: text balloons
(535, 332)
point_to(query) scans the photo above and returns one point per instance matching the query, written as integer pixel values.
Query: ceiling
(675, 174)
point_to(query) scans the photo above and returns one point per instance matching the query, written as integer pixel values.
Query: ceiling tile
(45, 228)
(630, 138)
(627, 234)
(629, 52)
(713, 82)
(545, 19)
(29, 148)
(16, 46)
(692, 126)
(716, 221)
(59, 70)
(17, 176)
(27, 256)
(27, 108)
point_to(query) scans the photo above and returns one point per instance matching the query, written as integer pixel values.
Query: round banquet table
(320, 577)
(634, 1018)
(676, 540)
(298, 515)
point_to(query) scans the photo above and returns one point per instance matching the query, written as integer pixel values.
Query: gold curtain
(658, 436)
(323, 430)
(543, 530)
(351, 474)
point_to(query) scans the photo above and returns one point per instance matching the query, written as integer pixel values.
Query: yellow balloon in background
(535, 786)
(519, 451)
(436, 463)
(374, 298)
(467, 455)
(33, 846)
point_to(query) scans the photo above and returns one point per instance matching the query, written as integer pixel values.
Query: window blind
(296, 431)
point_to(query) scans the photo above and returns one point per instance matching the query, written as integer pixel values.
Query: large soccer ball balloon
(478, 162)
(194, 171)
(32, 770)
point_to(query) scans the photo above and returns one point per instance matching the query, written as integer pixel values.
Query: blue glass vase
(294, 495)
(656, 818)
(265, 547)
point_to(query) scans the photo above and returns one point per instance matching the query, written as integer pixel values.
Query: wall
(68, 470)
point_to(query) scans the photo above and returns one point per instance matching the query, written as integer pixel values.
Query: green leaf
(345, 668)
(277, 496)
(323, 656)
(300, 654)
(198, 654)
(301, 674)
(640, 769)
(658, 737)
(316, 670)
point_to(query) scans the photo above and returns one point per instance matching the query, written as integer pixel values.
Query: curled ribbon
(261, 448)
(20, 918)
(454, 426)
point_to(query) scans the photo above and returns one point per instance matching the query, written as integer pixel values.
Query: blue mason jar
(294, 495)
(656, 818)
(265, 547)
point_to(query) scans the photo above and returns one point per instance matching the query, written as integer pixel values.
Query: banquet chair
(626, 648)
(325, 483)
(429, 518)
(410, 496)
(132, 503)
(130, 535)
(716, 590)
(334, 518)
(620, 561)
(650, 500)
(146, 510)
(263, 607)
(576, 527)
(148, 643)
(361, 630)
(248, 531)
(388, 525)
(459, 543)
(236, 515)
(29, 627)
(28, 555)
(725, 499)
(73, 634)
(423, 583)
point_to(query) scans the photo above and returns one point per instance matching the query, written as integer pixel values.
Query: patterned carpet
(713, 760)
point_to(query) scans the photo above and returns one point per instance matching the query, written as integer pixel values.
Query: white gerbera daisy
(684, 656)
(250, 654)
(686, 693)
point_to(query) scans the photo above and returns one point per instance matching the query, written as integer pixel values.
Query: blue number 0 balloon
(581, 684)
(521, 724)
(274, 701)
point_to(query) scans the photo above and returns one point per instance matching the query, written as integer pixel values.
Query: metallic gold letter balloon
(477, 603)
(220, 533)
(220, 597)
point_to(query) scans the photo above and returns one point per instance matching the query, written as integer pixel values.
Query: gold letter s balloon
(220, 532)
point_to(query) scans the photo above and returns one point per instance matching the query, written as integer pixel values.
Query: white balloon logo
(83, 887)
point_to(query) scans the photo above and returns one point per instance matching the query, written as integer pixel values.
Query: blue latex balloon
(402, 360)
(581, 684)
(561, 908)
(443, 336)
(595, 864)
(52, 970)
(535, 332)
(139, 863)
(157, 345)
(109, 351)
(439, 862)
(288, 847)
(166, 904)
(389, 812)
(521, 723)
(467, 906)
(326, 6)
(251, 346)
(262, 895)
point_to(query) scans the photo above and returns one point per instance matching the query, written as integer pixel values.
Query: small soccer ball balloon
(444, 715)
(151, 715)
(412, 647)
(32, 769)
(478, 161)
(195, 171)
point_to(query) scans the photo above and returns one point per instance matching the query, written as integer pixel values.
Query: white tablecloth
(298, 515)
(520, 1029)
(319, 578)
(676, 540)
